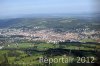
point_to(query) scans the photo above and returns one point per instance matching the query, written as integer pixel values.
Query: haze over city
(17, 8)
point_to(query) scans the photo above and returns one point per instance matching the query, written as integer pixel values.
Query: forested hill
(55, 23)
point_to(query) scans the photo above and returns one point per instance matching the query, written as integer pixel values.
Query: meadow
(28, 53)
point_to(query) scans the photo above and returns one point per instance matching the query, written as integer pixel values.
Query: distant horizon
(50, 15)
(19, 8)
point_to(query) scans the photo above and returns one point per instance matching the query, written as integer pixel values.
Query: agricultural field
(28, 54)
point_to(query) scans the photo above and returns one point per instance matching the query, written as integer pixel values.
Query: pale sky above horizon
(18, 7)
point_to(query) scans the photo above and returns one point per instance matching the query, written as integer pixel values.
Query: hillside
(55, 23)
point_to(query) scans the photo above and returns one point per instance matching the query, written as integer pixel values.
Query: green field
(28, 54)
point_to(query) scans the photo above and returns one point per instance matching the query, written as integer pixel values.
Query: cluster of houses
(45, 35)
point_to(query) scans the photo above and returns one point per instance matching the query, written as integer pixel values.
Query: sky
(21, 7)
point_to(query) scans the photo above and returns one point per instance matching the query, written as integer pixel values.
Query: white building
(1, 47)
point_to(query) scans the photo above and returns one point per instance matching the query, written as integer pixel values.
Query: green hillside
(55, 23)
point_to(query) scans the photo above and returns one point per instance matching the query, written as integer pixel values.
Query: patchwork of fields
(28, 54)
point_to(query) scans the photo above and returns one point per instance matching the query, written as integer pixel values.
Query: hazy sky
(19, 7)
